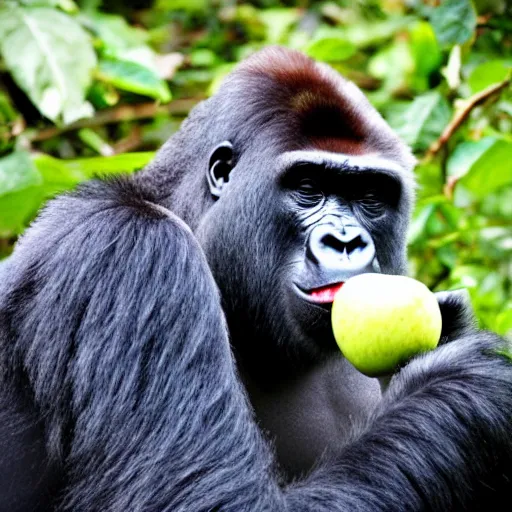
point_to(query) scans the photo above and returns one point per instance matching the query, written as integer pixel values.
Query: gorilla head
(292, 183)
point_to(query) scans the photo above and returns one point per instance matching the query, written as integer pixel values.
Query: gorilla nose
(344, 252)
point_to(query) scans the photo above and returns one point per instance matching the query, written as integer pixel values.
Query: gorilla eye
(308, 192)
(372, 204)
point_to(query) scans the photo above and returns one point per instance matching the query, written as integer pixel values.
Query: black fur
(118, 382)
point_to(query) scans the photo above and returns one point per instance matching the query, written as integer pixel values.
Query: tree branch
(462, 113)
(116, 115)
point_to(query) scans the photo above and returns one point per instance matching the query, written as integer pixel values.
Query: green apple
(380, 321)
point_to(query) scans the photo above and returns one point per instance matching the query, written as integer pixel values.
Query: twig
(129, 143)
(462, 113)
(117, 114)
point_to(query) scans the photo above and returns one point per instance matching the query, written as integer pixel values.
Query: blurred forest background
(90, 87)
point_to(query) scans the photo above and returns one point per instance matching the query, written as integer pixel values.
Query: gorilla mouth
(322, 295)
(325, 294)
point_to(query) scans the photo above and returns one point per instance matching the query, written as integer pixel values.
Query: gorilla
(165, 337)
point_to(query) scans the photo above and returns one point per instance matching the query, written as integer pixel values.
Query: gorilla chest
(313, 413)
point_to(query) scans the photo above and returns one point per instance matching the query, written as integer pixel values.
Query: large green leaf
(104, 165)
(487, 74)
(26, 182)
(278, 22)
(492, 170)
(425, 52)
(69, 172)
(466, 154)
(17, 172)
(20, 192)
(115, 33)
(424, 120)
(50, 57)
(331, 49)
(454, 21)
(133, 77)
(186, 5)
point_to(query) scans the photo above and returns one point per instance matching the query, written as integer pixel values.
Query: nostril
(334, 243)
(342, 246)
(357, 243)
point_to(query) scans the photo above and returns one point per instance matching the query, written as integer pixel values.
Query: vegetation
(89, 87)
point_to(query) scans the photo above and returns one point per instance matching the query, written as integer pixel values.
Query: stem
(461, 115)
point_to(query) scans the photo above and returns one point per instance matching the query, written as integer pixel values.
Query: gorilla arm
(117, 321)
(440, 439)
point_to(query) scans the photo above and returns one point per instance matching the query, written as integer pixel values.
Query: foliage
(85, 88)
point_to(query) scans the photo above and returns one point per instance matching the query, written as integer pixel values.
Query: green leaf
(61, 175)
(20, 192)
(278, 22)
(454, 21)
(425, 52)
(65, 5)
(203, 58)
(331, 49)
(424, 120)
(186, 5)
(17, 172)
(504, 326)
(85, 168)
(487, 74)
(394, 65)
(418, 226)
(115, 33)
(25, 183)
(57, 175)
(364, 33)
(466, 154)
(491, 170)
(50, 57)
(133, 77)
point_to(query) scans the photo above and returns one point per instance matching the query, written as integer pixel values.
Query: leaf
(487, 74)
(17, 172)
(491, 171)
(278, 22)
(394, 65)
(81, 169)
(133, 77)
(374, 33)
(454, 21)
(203, 58)
(186, 5)
(20, 192)
(61, 175)
(331, 49)
(504, 326)
(424, 120)
(418, 226)
(115, 33)
(25, 183)
(466, 154)
(57, 175)
(425, 52)
(50, 57)
(65, 5)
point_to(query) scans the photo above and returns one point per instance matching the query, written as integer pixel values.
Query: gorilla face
(336, 204)
(314, 222)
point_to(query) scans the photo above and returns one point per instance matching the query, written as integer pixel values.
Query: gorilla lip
(325, 294)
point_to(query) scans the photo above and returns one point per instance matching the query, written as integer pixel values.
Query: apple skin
(380, 321)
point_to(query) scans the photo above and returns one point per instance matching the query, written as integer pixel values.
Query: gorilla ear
(219, 167)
